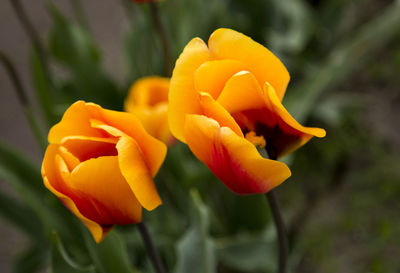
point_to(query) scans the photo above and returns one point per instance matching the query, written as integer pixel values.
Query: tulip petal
(53, 182)
(211, 76)
(288, 123)
(71, 160)
(242, 92)
(214, 110)
(102, 194)
(148, 91)
(233, 159)
(74, 122)
(183, 97)
(136, 173)
(154, 120)
(84, 148)
(230, 44)
(153, 150)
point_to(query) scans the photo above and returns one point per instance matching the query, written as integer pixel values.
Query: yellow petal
(288, 123)
(212, 76)
(103, 194)
(154, 120)
(242, 92)
(136, 173)
(233, 159)
(229, 44)
(148, 91)
(53, 182)
(120, 124)
(214, 110)
(74, 122)
(84, 148)
(71, 160)
(183, 97)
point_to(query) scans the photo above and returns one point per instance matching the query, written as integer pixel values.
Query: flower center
(258, 141)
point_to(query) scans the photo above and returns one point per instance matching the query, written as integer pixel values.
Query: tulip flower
(225, 102)
(100, 164)
(148, 100)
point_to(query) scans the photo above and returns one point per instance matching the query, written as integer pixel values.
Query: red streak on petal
(230, 172)
(98, 212)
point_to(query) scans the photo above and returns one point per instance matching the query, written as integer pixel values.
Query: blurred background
(341, 204)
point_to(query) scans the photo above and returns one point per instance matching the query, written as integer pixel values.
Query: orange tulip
(148, 100)
(100, 164)
(225, 103)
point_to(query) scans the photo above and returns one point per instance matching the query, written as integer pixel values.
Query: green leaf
(24, 177)
(110, 256)
(343, 60)
(333, 107)
(29, 197)
(142, 47)
(25, 169)
(73, 47)
(71, 44)
(61, 262)
(294, 17)
(31, 259)
(196, 250)
(20, 216)
(248, 252)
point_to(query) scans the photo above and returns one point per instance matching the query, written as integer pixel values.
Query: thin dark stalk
(163, 37)
(151, 250)
(23, 99)
(281, 230)
(14, 77)
(31, 32)
(39, 49)
(276, 214)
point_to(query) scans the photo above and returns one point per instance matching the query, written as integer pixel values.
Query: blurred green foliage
(341, 204)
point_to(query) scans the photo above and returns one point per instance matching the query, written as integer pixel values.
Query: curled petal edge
(233, 159)
(98, 232)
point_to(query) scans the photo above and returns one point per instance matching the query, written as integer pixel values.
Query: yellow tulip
(148, 100)
(101, 164)
(225, 103)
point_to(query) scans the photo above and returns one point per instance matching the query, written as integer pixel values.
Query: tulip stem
(151, 250)
(281, 230)
(163, 37)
